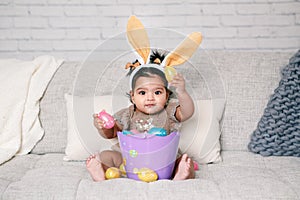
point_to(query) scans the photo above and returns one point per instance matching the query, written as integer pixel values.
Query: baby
(151, 76)
(150, 99)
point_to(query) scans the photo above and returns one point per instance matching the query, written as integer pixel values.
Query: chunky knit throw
(278, 131)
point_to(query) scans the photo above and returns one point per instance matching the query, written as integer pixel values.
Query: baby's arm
(104, 132)
(186, 108)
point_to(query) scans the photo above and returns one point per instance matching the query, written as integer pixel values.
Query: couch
(248, 80)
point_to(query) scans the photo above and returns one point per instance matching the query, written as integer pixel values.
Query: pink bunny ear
(138, 37)
(184, 51)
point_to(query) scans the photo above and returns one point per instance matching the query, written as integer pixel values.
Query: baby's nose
(150, 96)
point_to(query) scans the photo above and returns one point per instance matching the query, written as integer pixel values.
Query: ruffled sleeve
(171, 110)
(123, 117)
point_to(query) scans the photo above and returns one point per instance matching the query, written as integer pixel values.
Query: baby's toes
(90, 158)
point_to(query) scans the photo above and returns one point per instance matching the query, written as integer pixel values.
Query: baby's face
(149, 95)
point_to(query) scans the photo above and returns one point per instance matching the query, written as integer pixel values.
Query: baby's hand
(98, 123)
(179, 83)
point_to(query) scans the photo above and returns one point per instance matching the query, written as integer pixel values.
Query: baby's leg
(97, 164)
(111, 158)
(184, 169)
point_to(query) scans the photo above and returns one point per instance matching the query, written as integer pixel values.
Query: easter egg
(126, 132)
(122, 170)
(108, 120)
(112, 173)
(170, 72)
(196, 166)
(147, 175)
(158, 131)
(134, 131)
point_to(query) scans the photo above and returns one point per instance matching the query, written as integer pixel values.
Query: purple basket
(157, 153)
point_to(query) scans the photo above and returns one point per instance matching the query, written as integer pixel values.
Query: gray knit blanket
(278, 131)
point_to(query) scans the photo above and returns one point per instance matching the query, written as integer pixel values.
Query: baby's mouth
(149, 105)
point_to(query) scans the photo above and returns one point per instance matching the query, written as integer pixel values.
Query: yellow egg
(112, 173)
(170, 72)
(122, 170)
(147, 175)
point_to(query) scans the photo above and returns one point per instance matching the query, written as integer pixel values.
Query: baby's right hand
(98, 123)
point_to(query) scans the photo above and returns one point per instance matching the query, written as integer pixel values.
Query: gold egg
(112, 173)
(170, 72)
(122, 170)
(147, 175)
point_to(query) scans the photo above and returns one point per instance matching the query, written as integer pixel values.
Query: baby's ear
(138, 38)
(168, 94)
(131, 96)
(184, 50)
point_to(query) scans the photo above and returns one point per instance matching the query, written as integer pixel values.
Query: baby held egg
(170, 72)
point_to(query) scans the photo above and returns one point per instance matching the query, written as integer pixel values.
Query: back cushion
(249, 80)
(53, 113)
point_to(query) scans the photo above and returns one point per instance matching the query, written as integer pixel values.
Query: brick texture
(71, 29)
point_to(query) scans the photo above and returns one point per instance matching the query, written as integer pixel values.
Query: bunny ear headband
(138, 38)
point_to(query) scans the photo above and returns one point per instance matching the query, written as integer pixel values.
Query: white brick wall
(70, 29)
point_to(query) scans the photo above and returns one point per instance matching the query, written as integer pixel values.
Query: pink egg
(109, 121)
(196, 166)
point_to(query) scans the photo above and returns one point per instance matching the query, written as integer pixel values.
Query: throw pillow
(75, 149)
(199, 135)
(278, 131)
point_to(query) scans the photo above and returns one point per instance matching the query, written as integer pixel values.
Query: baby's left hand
(179, 83)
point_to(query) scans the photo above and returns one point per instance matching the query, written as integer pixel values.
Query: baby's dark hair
(148, 72)
(156, 57)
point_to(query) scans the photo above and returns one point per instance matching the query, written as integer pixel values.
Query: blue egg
(158, 131)
(126, 132)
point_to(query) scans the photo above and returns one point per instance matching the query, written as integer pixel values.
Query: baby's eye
(142, 92)
(157, 92)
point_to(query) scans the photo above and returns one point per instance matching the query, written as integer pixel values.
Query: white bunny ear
(138, 37)
(184, 51)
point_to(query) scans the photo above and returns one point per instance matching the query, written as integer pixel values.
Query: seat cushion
(241, 175)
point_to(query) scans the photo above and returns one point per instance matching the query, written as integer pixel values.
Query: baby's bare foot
(94, 166)
(185, 169)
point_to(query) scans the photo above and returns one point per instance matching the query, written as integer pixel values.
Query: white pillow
(83, 121)
(199, 136)
(203, 144)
